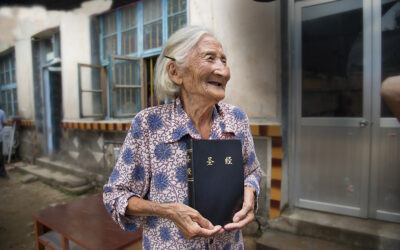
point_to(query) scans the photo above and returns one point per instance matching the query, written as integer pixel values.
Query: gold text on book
(189, 171)
(188, 159)
(228, 160)
(210, 161)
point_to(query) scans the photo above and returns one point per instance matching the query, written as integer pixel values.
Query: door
(340, 137)
(53, 107)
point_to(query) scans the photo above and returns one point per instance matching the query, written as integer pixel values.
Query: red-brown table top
(87, 223)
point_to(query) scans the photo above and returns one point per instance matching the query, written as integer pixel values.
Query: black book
(215, 178)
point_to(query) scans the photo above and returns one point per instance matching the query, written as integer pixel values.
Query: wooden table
(79, 224)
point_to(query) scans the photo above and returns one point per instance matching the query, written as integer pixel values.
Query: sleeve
(252, 169)
(130, 177)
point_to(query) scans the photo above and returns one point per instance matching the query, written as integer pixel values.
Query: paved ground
(18, 200)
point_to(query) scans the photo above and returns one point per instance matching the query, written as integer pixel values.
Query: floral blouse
(152, 166)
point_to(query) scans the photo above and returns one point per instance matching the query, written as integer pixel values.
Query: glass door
(333, 116)
(347, 141)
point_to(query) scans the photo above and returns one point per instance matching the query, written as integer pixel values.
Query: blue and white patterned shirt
(152, 166)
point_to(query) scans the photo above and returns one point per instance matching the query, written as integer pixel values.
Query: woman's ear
(174, 73)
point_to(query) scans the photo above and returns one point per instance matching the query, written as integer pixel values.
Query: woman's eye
(210, 58)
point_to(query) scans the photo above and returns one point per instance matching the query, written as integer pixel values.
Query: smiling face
(207, 73)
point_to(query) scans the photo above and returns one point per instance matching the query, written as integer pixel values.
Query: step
(274, 240)
(60, 166)
(67, 182)
(351, 231)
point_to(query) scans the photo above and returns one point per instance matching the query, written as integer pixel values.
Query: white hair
(178, 47)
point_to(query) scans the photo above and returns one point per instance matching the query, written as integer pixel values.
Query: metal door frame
(378, 122)
(295, 120)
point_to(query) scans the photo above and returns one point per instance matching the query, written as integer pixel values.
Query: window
(129, 37)
(176, 15)
(8, 85)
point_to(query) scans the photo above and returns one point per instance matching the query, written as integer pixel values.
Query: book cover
(215, 178)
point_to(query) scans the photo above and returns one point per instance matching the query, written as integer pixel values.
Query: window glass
(152, 24)
(109, 46)
(8, 88)
(129, 29)
(332, 59)
(390, 45)
(127, 86)
(9, 102)
(176, 15)
(109, 23)
(109, 34)
(15, 102)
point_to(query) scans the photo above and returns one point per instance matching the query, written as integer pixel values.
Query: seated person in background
(390, 92)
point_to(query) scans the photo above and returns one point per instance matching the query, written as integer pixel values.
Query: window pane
(13, 76)
(8, 78)
(152, 35)
(152, 10)
(175, 6)
(110, 46)
(127, 100)
(332, 59)
(13, 61)
(390, 45)
(91, 103)
(127, 72)
(109, 23)
(9, 103)
(15, 104)
(3, 101)
(128, 17)
(176, 22)
(152, 30)
(129, 42)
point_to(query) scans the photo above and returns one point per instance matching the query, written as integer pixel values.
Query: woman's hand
(246, 214)
(187, 219)
(191, 223)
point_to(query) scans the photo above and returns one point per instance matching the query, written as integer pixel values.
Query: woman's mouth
(215, 83)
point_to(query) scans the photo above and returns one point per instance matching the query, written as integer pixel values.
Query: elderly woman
(148, 186)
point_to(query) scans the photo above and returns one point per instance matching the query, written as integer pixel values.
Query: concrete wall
(24, 74)
(19, 24)
(92, 151)
(249, 32)
(75, 48)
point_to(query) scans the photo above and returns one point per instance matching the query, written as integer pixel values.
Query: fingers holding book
(246, 214)
(191, 223)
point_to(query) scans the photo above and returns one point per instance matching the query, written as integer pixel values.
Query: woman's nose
(222, 69)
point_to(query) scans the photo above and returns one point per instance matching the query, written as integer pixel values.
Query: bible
(215, 178)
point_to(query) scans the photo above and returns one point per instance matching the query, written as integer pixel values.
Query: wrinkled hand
(246, 214)
(191, 223)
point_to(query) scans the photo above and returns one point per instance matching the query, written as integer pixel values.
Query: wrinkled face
(207, 73)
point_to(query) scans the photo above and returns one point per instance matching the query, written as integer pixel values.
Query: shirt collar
(181, 125)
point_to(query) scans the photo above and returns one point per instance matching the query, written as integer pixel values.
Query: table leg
(65, 243)
(39, 230)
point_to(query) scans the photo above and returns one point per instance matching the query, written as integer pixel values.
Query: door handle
(363, 123)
